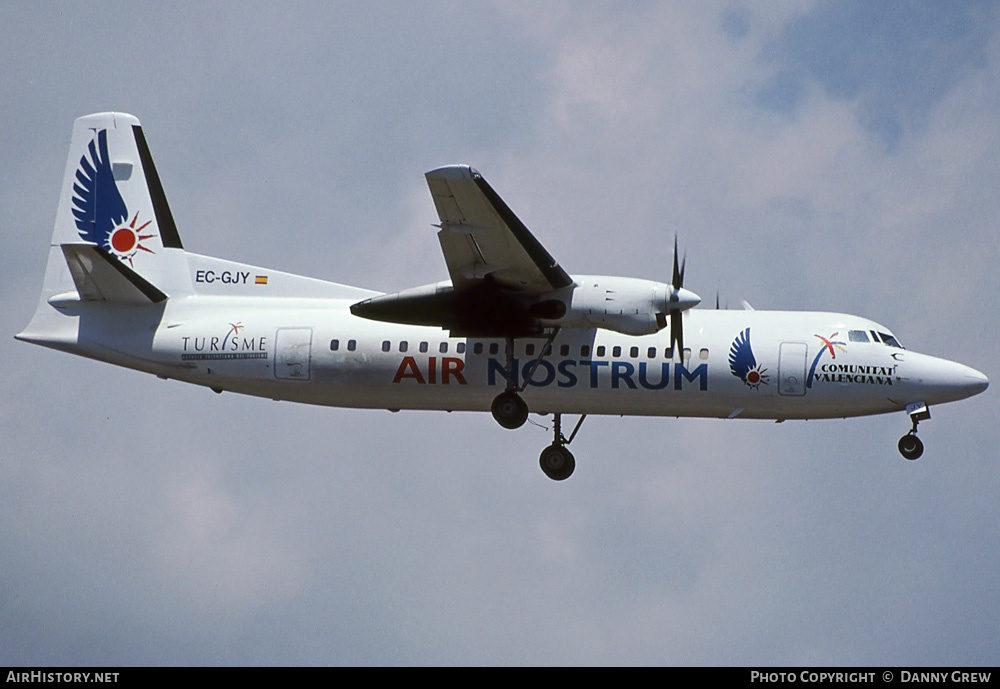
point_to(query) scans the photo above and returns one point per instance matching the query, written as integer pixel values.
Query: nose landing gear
(910, 445)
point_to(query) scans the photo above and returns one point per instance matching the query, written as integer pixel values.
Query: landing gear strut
(910, 445)
(509, 410)
(556, 461)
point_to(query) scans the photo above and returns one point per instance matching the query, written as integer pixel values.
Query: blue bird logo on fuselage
(743, 364)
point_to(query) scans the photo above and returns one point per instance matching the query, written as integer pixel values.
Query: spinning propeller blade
(676, 315)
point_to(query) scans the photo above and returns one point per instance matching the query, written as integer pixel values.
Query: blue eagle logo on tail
(99, 206)
(743, 364)
(100, 211)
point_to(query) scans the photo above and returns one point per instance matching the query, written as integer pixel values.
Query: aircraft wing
(480, 236)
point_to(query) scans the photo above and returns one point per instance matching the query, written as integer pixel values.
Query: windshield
(873, 336)
(890, 340)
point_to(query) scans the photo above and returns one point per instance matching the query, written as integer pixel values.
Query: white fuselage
(315, 351)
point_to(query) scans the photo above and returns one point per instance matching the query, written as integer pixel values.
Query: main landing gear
(556, 461)
(910, 445)
(509, 410)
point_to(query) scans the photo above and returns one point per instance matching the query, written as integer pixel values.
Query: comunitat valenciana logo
(829, 345)
(102, 217)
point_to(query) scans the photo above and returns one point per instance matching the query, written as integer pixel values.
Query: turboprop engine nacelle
(626, 305)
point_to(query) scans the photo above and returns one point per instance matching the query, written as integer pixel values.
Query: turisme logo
(232, 346)
(98, 206)
(743, 363)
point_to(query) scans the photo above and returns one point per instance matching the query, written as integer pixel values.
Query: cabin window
(352, 345)
(529, 349)
(703, 354)
(477, 348)
(651, 353)
(686, 354)
(600, 351)
(443, 348)
(616, 351)
(460, 348)
(386, 346)
(334, 345)
(423, 347)
(403, 345)
(584, 350)
(668, 353)
(858, 336)
(633, 352)
(494, 348)
(564, 350)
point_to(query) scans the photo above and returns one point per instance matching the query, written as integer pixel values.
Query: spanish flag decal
(260, 280)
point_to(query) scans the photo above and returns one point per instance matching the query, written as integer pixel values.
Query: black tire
(910, 446)
(509, 410)
(557, 462)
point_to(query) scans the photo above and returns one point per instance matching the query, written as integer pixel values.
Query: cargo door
(292, 353)
(792, 369)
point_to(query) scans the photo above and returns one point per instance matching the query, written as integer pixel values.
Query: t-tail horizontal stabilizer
(99, 276)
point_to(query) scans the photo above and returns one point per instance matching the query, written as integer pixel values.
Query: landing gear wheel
(910, 446)
(509, 410)
(557, 462)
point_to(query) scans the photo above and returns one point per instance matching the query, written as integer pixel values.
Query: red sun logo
(757, 377)
(126, 241)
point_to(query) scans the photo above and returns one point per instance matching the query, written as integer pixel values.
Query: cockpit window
(890, 340)
(858, 336)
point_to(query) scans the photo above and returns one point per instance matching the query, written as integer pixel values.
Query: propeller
(681, 300)
(678, 279)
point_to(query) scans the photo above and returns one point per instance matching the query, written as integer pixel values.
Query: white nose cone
(975, 382)
(963, 380)
(943, 380)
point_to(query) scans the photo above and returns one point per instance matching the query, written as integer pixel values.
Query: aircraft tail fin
(112, 201)
(114, 237)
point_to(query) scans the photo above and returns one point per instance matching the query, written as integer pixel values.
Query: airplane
(510, 332)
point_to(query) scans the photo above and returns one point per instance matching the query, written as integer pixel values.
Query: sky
(809, 156)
